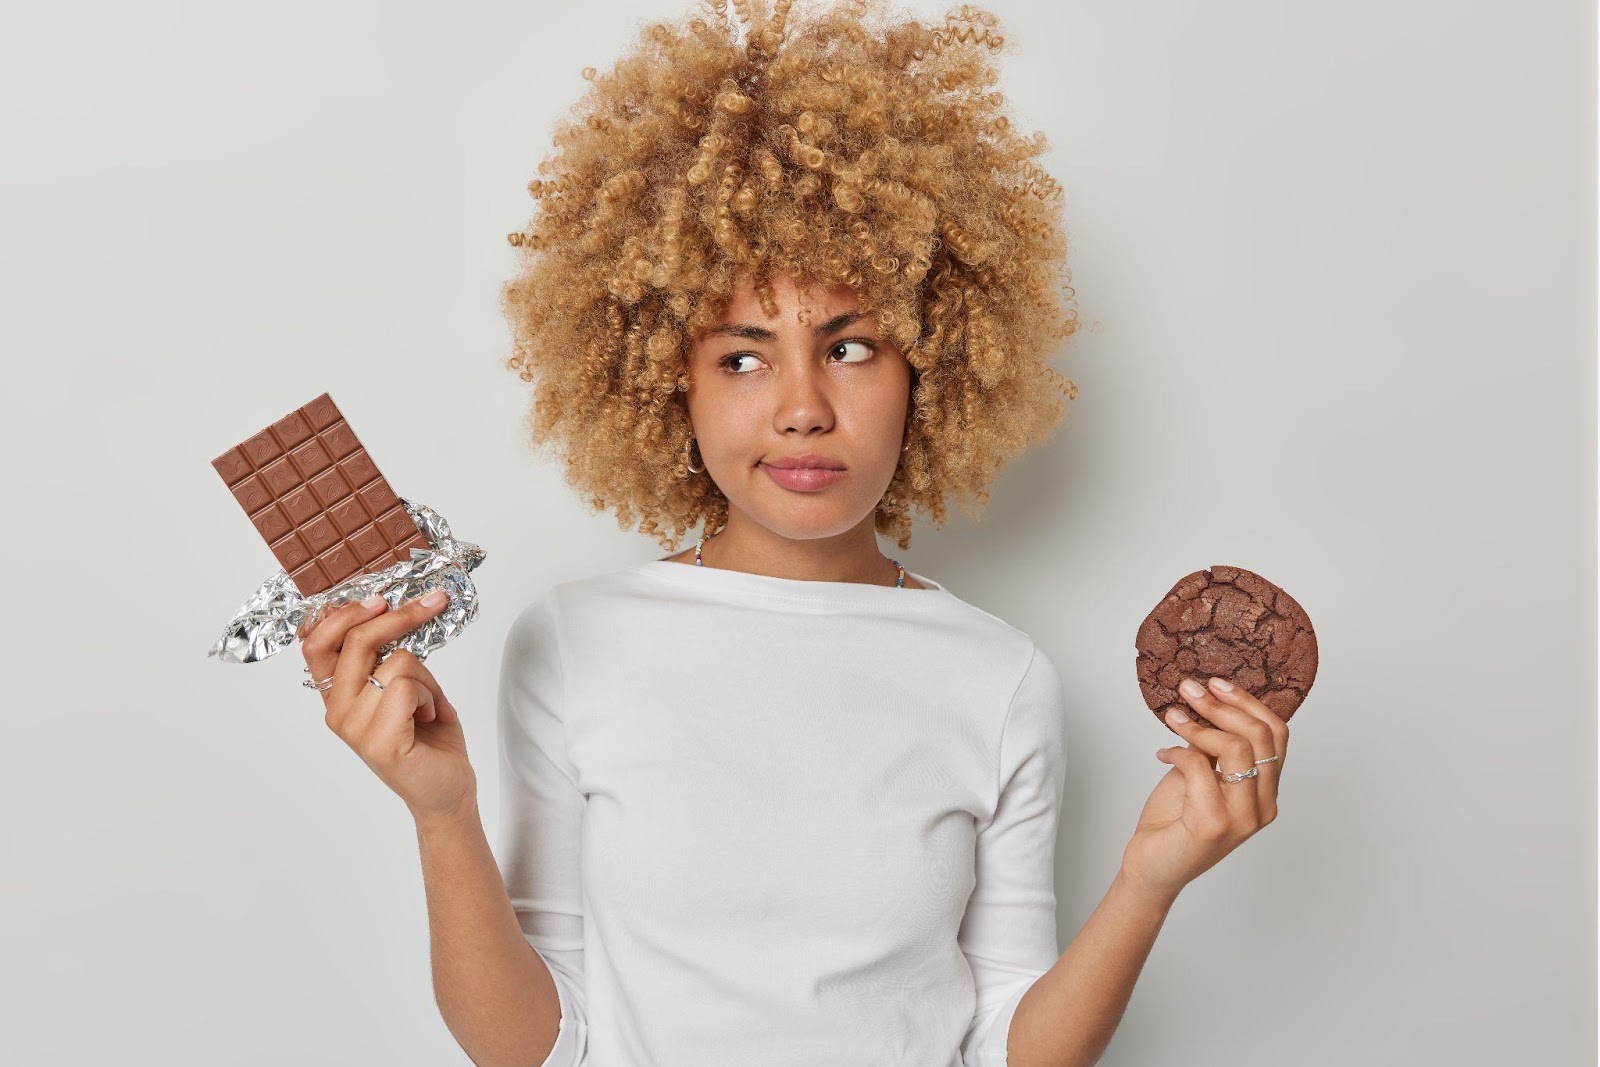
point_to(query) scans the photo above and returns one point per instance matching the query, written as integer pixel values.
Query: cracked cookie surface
(1231, 623)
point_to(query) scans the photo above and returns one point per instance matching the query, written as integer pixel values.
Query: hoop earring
(686, 462)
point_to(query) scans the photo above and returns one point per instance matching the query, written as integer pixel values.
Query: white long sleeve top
(755, 820)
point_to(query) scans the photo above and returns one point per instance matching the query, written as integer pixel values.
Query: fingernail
(434, 599)
(372, 601)
(1191, 687)
(1177, 715)
(1222, 685)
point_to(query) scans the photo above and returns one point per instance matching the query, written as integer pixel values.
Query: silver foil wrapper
(271, 619)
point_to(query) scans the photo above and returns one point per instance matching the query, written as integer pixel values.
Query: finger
(1230, 741)
(1231, 718)
(390, 730)
(402, 664)
(320, 645)
(1239, 697)
(1202, 789)
(358, 654)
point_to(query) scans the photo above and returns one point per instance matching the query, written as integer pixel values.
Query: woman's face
(764, 391)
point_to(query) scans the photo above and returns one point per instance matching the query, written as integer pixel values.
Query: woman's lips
(803, 479)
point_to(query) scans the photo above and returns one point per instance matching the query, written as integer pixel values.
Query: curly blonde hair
(837, 149)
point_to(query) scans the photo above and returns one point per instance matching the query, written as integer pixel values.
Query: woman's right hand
(407, 732)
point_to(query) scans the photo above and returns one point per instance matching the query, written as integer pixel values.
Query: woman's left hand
(1194, 818)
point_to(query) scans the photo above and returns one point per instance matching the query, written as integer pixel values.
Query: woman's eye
(726, 360)
(864, 344)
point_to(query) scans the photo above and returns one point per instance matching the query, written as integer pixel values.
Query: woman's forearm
(494, 991)
(1067, 1017)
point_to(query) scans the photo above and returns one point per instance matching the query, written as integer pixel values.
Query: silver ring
(1251, 773)
(374, 681)
(321, 686)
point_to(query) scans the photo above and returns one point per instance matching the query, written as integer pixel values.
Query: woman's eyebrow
(761, 333)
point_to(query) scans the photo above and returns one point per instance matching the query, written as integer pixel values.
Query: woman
(778, 799)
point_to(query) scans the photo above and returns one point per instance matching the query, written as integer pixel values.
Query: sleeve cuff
(569, 1038)
(987, 1046)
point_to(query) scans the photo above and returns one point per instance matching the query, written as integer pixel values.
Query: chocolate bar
(318, 500)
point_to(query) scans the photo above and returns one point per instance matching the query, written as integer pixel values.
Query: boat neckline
(793, 588)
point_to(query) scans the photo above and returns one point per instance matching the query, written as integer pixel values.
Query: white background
(1335, 267)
